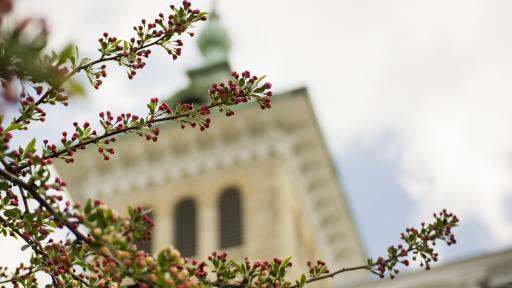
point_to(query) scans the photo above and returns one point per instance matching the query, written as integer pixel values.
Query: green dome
(214, 41)
(214, 44)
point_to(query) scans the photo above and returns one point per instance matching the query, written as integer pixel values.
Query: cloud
(435, 74)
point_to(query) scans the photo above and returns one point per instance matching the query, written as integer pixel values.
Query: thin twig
(19, 276)
(24, 197)
(331, 275)
(84, 67)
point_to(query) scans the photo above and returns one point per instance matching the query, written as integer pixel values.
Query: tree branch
(117, 56)
(113, 133)
(24, 197)
(42, 202)
(84, 67)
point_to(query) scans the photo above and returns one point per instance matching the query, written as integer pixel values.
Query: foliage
(102, 251)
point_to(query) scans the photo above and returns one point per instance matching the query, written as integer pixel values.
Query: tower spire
(214, 41)
(214, 45)
(214, 6)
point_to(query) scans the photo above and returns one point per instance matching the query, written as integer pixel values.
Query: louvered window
(186, 227)
(230, 218)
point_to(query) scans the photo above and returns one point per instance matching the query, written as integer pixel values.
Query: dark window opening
(186, 227)
(230, 218)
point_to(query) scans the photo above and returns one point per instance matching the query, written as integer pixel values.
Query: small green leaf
(31, 146)
(75, 88)
(4, 186)
(13, 126)
(116, 43)
(259, 89)
(84, 61)
(10, 213)
(259, 80)
(66, 54)
(88, 206)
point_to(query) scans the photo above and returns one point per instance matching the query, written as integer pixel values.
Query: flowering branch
(107, 253)
(127, 53)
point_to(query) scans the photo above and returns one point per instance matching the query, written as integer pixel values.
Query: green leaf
(80, 131)
(13, 126)
(75, 88)
(88, 207)
(4, 186)
(161, 259)
(116, 43)
(31, 146)
(259, 89)
(84, 61)
(11, 213)
(259, 80)
(25, 247)
(66, 54)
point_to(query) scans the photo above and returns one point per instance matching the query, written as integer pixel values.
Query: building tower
(259, 184)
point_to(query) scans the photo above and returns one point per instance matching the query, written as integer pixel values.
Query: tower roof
(214, 41)
(214, 44)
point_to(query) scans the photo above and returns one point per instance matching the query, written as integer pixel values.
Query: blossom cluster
(131, 54)
(418, 245)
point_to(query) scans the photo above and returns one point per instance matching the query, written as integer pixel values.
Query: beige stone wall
(271, 216)
(292, 202)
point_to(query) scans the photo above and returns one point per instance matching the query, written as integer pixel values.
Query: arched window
(230, 218)
(186, 227)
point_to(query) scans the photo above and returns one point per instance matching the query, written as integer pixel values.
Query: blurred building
(260, 184)
(486, 271)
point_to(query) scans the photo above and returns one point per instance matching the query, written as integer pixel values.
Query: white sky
(435, 75)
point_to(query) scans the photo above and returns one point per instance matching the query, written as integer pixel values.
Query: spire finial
(213, 11)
